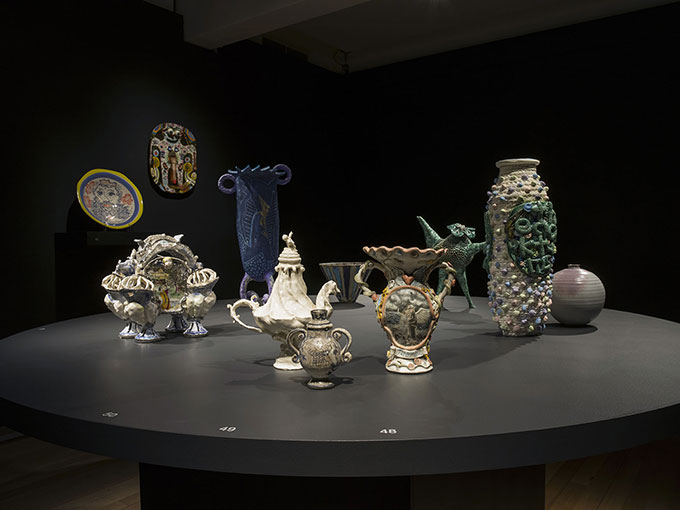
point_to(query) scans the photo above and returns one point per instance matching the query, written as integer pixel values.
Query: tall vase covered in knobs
(521, 230)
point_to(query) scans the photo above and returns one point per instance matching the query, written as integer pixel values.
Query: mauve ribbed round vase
(578, 296)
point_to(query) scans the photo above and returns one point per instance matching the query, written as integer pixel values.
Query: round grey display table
(481, 425)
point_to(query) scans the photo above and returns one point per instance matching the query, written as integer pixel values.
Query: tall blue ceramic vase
(257, 220)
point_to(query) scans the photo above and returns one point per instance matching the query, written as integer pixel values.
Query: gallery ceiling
(363, 34)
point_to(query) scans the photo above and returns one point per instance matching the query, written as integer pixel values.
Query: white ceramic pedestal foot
(286, 363)
(408, 371)
(320, 384)
(129, 331)
(420, 365)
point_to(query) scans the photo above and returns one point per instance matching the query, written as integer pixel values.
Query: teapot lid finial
(288, 239)
(289, 255)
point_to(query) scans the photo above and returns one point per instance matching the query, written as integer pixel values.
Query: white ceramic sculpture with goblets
(161, 275)
(142, 306)
(199, 300)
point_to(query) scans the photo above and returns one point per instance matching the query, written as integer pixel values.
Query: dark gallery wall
(597, 103)
(89, 82)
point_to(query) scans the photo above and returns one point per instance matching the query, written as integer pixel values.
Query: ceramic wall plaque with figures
(172, 158)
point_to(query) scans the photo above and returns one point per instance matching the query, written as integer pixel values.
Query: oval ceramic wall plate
(172, 158)
(109, 198)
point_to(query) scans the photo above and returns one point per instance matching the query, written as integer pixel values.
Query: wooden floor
(39, 475)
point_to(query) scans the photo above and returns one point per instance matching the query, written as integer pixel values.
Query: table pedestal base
(507, 489)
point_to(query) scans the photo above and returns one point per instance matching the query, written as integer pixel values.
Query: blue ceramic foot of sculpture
(129, 331)
(177, 324)
(251, 295)
(195, 329)
(243, 288)
(147, 335)
(257, 217)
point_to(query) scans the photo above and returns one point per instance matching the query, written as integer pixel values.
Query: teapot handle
(367, 267)
(345, 354)
(302, 334)
(237, 319)
(450, 279)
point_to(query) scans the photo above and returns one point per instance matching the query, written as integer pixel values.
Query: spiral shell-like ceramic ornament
(202, 278)
(136, 282)
(111, 282)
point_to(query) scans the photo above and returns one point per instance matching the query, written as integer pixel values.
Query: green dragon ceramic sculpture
(461, 251)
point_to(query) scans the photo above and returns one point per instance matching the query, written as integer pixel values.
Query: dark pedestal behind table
(211, 419)
(81, 260)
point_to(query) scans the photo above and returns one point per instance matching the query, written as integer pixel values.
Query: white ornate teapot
(288, 306)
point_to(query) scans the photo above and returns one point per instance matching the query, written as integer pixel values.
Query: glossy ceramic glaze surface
(109, 198)
(343, 273)
(288, 306)
(172, 158)
(407, 308)
(521, 232)
(578, 296)
(257, 220)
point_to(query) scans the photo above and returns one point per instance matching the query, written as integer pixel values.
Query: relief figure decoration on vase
(257, 221)
(408, 308)
(460, 250)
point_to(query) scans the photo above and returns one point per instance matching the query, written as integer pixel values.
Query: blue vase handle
(284, 174)
(221, 184)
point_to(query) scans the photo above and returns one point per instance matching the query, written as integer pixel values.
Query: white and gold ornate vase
(408, 308)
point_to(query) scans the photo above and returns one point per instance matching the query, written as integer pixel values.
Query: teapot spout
(323, 298)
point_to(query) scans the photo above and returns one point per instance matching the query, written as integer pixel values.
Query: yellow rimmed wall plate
(109, 198)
